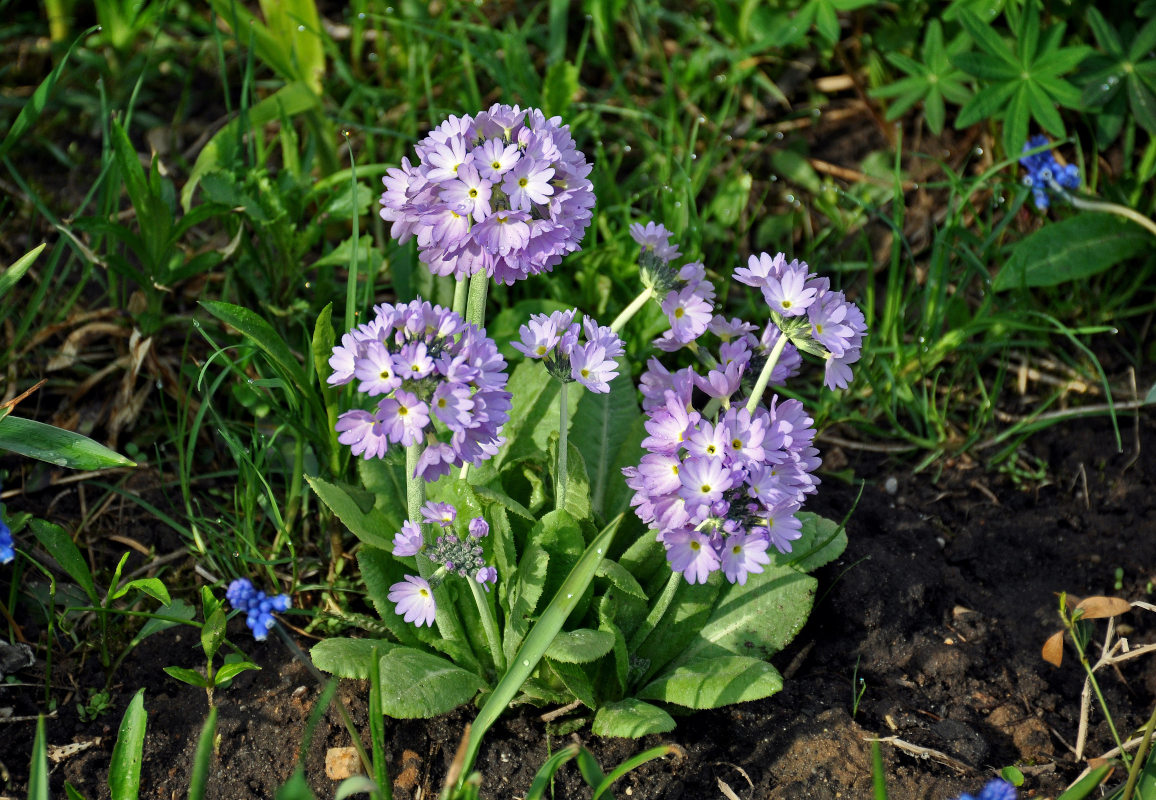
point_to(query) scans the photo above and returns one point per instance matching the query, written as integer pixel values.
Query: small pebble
(891, 485)
(341, 763)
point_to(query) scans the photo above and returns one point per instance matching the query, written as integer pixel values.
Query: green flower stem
(765, 375)
(620, 321)
(460, 293)
(490, 625)
(476, 306)
(1109, 208)
(561, 478)
(1141, 756)
(447, 621)
(656, 614)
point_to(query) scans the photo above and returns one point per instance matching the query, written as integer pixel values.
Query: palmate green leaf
(715, 682)
(987, 104)
(631, 719)
(1044, 110)
(57, 446)
(365, 521)
(1142, 100)
(128, 752)
(1071, 249)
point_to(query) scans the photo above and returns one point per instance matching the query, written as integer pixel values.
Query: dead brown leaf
(1053, 651)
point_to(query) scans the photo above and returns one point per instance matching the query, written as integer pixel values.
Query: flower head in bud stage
(684, 293)
(504, 192)
(258, 607)
(1045, 174)
(555, 338)
(430, 371)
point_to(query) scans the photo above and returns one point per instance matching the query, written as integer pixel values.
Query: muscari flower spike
(7, 545)
(258, 606)
(1045, 174)
(430, 370)
(997, 789)
(505, 192)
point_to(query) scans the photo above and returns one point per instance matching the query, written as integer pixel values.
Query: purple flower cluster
(505, 193)
(428, 367)
(1045, 173)
(809, 311)
(455, 554)
(555, 339)
(719, 493)
(687, 296)
(258, 607)
(997, 789)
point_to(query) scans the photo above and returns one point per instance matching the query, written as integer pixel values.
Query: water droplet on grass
(301, 29)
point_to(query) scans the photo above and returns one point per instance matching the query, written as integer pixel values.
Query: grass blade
(38, 772)
(203, 758)
(56, 446)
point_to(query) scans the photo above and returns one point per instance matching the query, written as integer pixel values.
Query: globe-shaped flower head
(505, 192)
(439, 380)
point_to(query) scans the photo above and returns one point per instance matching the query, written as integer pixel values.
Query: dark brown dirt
(943, 599)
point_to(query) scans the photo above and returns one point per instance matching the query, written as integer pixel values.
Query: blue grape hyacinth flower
(257, 606)
(1046, 174)
(997, 789)
(7, 546)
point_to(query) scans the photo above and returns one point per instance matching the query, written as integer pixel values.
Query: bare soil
(940, 604)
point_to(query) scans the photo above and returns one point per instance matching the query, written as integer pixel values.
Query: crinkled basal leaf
(534, 414)
(715, 682)
(419, 685)
(631, 719)
(757, 619)
(823, 541)
(577, 500)
(575, 679)
(354, 507)
(621, 578)
(347, 658)
(385, 479)
(524, 592)
(581, 646)
(680, 628)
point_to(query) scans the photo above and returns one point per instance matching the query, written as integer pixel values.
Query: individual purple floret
(555, 339)
(506, 193)
(440, 382)
(415, 600)
(1045, 174)
(997, 789)
(257, 606)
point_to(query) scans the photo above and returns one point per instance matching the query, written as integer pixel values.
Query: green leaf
(543, 779)
(580, 646)
(1084, 787)
(631, 719)
(822, 541)
(355, 784)
(153, 587)
(715, 682)
(539, 639)
(60, 546)
(56, 445)
(1071, 249)
(296, 788)
(10, 275)
(189, 676)
(367, 524)
(288, 101)
(127, 753)
(534, 415)
(577, 500)
(732, 199)
(1143, 103)
(421, 685)
(986, 37)
(621, 578)
(213, 633)
(560, 88)
(229, 671)
(608, 430)
(260, 333)
(347, 658)
(1106, 35)
(794, 167)
(38, 770)
(384, 480)
(756, 619)
(203, 760)
(524, 592)
(575, 679)
(981, 65)
(33, 108)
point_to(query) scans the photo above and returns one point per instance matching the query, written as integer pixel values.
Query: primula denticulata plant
(530, 531)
